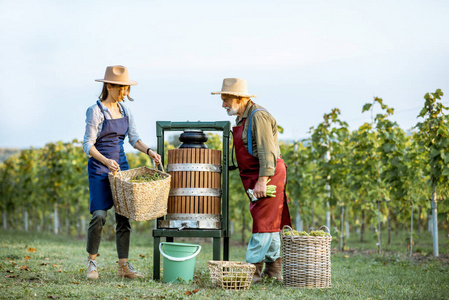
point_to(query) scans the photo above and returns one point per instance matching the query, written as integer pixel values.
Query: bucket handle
(178, 258)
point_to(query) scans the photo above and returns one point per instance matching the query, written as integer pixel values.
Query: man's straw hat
(117, 75)
(236, 87)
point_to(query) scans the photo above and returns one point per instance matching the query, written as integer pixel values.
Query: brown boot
(127, 270)
(256, 277)
(273, 269)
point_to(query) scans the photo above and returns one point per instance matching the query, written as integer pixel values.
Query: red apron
(269, 214)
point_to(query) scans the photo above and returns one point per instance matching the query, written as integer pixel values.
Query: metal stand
(216, 234)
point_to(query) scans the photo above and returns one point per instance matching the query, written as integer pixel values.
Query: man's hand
(260, 190)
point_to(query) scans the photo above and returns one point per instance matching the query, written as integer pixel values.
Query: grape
(303, 233)
(319, 233)
(146, 178)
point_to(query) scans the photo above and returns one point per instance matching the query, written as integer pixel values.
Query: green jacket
(265, 138)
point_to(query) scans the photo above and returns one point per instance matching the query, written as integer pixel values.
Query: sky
(301, 59)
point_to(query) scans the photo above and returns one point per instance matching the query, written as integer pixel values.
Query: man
(259, 159)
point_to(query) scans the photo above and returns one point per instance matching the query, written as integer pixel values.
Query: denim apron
(269, 214)
(110, 144)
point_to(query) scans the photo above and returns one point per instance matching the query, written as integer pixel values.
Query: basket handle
(324, 226)
(287, 227)
(117, 172)
(291, 231)
(160, 163)
(293, 238)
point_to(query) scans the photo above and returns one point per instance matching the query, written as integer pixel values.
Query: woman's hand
(151, 153)
(260, 190)
(155, 156)
(112, 165)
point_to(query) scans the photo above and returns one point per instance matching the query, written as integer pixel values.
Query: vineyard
(377, 178)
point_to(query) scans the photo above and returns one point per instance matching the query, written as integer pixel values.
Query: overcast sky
(301, 58)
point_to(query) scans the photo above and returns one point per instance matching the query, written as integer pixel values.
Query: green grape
(146, 178)
(296, 233)
(319, 233)
(235, 279)
(301, 233)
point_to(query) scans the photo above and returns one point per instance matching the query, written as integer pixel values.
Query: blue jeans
(263, 246)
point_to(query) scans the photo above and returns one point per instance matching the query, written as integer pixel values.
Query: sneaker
(92, 272)
(128, 271)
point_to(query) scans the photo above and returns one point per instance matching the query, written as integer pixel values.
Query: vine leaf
(366, 107)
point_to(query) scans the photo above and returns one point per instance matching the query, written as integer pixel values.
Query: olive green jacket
(264, 138)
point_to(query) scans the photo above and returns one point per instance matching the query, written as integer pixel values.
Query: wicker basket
(231, 275)
(306, 260)
(140, 201)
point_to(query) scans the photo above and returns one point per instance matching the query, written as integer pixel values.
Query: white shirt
(94, 125)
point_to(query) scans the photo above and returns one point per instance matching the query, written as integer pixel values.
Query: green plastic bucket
(179, 261)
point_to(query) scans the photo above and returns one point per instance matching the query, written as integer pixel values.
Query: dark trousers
(122, 233)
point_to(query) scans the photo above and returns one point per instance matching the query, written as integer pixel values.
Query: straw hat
(117, 75)
(236, 87)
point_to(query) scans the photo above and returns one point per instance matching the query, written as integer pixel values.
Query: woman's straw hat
(236, 87)
(117, 75)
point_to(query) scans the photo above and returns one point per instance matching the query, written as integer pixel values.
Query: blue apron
(110, 144)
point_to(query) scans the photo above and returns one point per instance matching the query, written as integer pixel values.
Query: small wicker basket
(231, 275)
(140, 201)
(306, 260)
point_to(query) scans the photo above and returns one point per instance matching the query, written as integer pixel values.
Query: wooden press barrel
(196, 181)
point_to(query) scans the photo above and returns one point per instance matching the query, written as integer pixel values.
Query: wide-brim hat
(236, 87)
(117, 75)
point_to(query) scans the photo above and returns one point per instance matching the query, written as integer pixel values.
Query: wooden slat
(174, 182)
(172, 199)
(215, 175)
(202, 184)
(208, 174)
(203, 202)
(184, 181)
(188, 182)
(217, 182)
(196, 159)
(171, 183)
(192, 182)
(179, 183)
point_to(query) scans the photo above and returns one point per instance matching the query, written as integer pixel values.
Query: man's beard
(233, 110)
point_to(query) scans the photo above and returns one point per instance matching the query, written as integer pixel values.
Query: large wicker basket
(140, 201)
(231, 275)
(306, 260)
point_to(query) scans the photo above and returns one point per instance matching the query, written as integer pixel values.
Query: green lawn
(56, 270)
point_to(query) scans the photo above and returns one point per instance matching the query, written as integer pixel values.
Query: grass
(45, 266)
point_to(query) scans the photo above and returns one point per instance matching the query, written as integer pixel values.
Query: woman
(107, 124)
